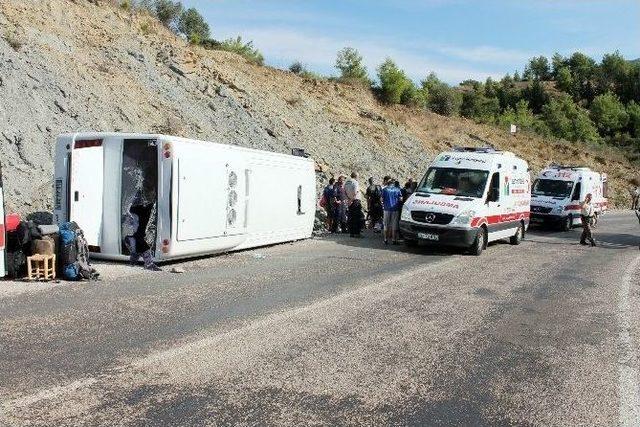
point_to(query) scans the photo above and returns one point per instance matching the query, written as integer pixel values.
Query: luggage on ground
(74, 254)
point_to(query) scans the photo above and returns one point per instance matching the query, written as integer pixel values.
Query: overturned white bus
(204, 197)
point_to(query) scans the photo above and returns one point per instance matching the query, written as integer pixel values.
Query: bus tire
(516, 239)
(567, 223)
(480, 243)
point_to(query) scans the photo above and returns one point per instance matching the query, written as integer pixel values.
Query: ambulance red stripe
(499, 219)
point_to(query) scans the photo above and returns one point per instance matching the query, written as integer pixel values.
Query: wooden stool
(41, 267)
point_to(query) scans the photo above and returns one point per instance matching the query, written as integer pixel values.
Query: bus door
(86, 188)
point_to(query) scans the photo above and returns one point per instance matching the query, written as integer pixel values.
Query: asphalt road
(338, 331)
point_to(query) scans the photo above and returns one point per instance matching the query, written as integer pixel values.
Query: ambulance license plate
(429, 236)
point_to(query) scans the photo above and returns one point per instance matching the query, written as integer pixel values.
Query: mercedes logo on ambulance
(430, 217)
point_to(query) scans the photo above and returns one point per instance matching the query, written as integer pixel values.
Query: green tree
(564, 79)
(583, 70)
(612, 73)
(557, 61)
(633, 111)
(539, 68)
(440, 97)
(536, 95)
(351, 66)
(393, 82)
(608, 113)
(193, 25)
(168, 12)
(516, 76)
(567, 120)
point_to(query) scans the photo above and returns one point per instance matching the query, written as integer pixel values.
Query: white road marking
(628, 384)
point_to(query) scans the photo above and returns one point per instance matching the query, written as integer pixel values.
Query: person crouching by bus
(136, 223)
(586, 214)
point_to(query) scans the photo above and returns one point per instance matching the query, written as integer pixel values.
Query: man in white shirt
(586, 214)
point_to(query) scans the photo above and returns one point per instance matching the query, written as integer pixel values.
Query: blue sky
(457, 39)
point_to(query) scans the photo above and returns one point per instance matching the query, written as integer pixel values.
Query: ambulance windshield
(552, 188)
(454, 182)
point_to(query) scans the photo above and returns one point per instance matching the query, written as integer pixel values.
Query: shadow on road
(375, 241)
(572, 238)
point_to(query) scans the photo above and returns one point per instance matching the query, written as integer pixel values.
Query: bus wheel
(480, 242)
(517, 238)
(567, 223)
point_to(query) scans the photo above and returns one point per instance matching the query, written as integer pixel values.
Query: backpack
(74, 253)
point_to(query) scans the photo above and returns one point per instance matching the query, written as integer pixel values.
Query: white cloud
(283, 46)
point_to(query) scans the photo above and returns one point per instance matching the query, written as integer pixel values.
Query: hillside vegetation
(86, 65)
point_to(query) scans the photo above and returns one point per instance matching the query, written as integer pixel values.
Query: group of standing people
(341, 201)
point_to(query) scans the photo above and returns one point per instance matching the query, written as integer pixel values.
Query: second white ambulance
(558, 191)
(468, 198)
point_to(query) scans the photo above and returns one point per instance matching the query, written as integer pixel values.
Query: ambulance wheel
(517, 238)
(567, 223)
(480, 243)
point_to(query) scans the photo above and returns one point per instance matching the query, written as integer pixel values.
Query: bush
(523, 117)
(439, 97)
(193, 25)
(297, 68)
(608, 113)
(393, 82)
(477, 106)
(246, 50)
(349, 62)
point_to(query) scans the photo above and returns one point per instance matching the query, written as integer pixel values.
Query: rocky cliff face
(68, 66)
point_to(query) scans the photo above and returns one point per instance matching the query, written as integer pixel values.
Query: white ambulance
(468, 198)
(557, 192)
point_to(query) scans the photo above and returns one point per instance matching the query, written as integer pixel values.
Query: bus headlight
(405, 215)
(464, 217)
(558, 210)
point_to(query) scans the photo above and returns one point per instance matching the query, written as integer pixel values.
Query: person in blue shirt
(391, 203)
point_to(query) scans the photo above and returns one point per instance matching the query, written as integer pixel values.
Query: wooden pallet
(41, 267)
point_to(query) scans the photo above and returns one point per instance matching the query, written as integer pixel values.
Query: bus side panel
(202, 198)
(281, 202)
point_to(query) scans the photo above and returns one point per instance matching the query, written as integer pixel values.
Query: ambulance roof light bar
(571, 167)
(476, 149)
